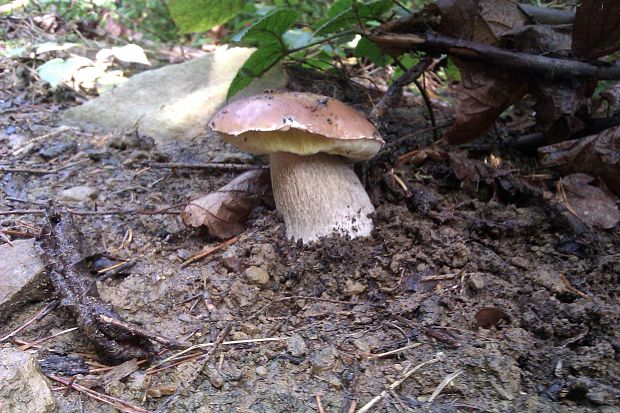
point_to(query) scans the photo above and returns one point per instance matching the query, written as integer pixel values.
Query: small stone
(324, 360)
(520, 262)
(230, 259)
(23, 278)
(261, 371)
(55, 149)
(476, 282)
(250, 329)
(215, 378)
(354, 287)
(334, 383)
(296, 345)
(78, 194)
(23, 389)
(257, 275)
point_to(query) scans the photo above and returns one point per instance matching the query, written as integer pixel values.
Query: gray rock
(324, 360)
(175, 101)
(22, 277)
(353, 287)
(78, 194)
(23, 389)
(257, 275)
(296, 345)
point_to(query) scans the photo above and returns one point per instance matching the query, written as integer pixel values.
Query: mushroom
(307, 138)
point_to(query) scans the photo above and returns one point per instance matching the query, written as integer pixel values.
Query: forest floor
(484, 287)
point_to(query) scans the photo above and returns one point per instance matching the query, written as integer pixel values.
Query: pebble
(78, 194)
(296, 345)
(354, 287)
(323, 360)
(257, 275)
(23, 388)
(261, 371)
(476, 282)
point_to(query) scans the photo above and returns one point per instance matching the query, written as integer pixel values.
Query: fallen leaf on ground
(225, 211)
(590, 204)
(489, 316)
(597, 155)
(596, 30)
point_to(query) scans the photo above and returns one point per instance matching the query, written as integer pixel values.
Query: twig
(26, 144)
(395, 90)
(40, 315)
(207, 165)
(443, 384)
(429, 107)
(164, 211)
(210, 251)
(117, 403)
(205, 345)
(319, 405)
(391, 352)
(35, 171)
(397, 383)
(37, 342)
(168, 342)
(550, 67)
(295, 297)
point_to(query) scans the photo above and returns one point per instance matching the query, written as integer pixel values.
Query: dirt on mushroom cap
(311, 124)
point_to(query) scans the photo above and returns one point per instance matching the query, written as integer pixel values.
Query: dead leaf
(590, 204)
(482, 95)
(489, 316)
(472, 171)
(597, 155)
(484, 92)
(596, 29)
(540, 39)
(225, 211)
(484, 21)
(612, 96)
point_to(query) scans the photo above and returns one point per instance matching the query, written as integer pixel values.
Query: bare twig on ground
(21, 148)
(319, 405)
(549, 67)
(394, 93)
(115, 402)
(165, 211)
(39, 316)
(443, 384)
(210, 251)
(207, 165)
(396, 384)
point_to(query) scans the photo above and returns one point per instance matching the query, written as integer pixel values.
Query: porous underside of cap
(299, 123)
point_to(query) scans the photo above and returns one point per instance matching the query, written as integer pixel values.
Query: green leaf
(268, 29)
(347, 17)
(366, 48)
(57, 71)
(201, 15)
(263, 59)
(297, 38)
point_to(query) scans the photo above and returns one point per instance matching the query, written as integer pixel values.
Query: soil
(441, 252)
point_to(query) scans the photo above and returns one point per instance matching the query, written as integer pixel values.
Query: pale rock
(257, 275)
(296, 345)
(23, 388)
(78, 194)
(22, 277)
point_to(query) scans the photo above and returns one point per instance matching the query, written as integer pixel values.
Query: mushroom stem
(319, 195)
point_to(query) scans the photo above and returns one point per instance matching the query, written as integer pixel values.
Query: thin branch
(207, 165)
(549, 67)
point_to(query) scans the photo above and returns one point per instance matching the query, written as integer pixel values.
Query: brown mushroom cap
(299, 123)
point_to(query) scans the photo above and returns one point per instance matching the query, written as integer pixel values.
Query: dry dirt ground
(440, 253)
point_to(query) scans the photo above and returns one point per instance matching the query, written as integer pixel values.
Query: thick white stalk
(318, 195)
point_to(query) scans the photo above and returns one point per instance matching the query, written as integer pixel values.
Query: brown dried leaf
(540, 39)
(482, 96)
(489, 316)
(590, 204)
(596, 30)
(484, 21)
(597, 155)
(472, 171)
(225, 211)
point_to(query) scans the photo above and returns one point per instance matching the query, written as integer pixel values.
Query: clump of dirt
(338, 309)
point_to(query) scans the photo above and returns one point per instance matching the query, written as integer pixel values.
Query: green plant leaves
(268, 35)
(201, 15)
(269, 29)
(347, 17)
(366, 48)
(263, 59)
